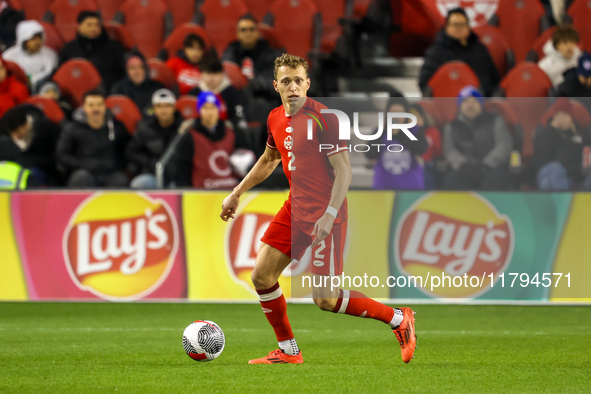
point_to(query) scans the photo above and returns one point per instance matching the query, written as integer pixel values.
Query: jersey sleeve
(331, 135)
(270, 139)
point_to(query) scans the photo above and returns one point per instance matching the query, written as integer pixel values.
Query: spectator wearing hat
(562, 53)
(477, 145)
(558, 151)
(577, 82)
(93, 44)
(51, 91)
(186, 65)
(152, 137)
(36, 59)
(456, 42)
(137, 85)
(12, 91)
(201, 158)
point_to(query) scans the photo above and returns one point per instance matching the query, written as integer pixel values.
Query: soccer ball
(203, 340)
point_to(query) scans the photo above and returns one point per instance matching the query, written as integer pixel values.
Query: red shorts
(293, 238)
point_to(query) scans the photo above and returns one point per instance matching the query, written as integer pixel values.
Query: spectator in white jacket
(562, 53)
(30, 53)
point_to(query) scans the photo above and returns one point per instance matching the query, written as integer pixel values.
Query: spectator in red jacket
(12, 92)
(186, 65)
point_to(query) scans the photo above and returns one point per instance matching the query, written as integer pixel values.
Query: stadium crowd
(101, 112)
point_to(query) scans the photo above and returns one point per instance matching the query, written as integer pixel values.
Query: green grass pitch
(103, 347)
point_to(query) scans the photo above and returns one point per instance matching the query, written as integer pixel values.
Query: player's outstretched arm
(343, 176)
(261, 171)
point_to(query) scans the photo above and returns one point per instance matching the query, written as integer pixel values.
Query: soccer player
(315, 215)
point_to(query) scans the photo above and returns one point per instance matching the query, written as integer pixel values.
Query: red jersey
(187, 75)
(310, 174)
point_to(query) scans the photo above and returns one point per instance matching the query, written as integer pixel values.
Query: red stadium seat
(219, 18)
(521, 22)
(148, 21)
(18, 73)
(53, 39)
(174, 42)
(536, 53)
(125, 111)
(35, 9)
(580, 13)
(109, 8)
(268, 33)
(297, 18)
(258, 8)
(50, 108)
(119, 32)
(432, 109)
(76, 77)
(65, 15)
(187, 106)
(581, 115)
(182, 11)
(234, 73)
(330, 11)
(360, 8)
(497, 46)
(503, 108)
(419, 22)
(159, 72)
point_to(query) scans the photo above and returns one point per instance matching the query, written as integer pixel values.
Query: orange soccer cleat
(405, 333)
(278, 357)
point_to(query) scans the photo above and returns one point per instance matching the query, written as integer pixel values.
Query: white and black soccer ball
(203, 340)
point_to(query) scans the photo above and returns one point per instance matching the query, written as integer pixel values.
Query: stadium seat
(581, 115)
(219, 18)
(296, 18)
(580, 14)
(64, 16)
(258, 8)
(331, 11)
(50, 108)
(418, 22)
(234, 73)
(34, 9)
(159, 72)
(521, 22)
(125, 110)
(148, 21)
(268, 33)
(508, 114)
(18, 73)
(360, 8)
(76, 77)
(182, 11)
(174, 42)
(109, 8)
(526, 87)
(187, 106)
(53, 39)
(536, 53)
(119, 32)
(432, 109)
(497, 46)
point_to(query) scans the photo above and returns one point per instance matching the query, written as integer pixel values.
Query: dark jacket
(446, 49)
(9, 18)
(99, 151)
(149, 142)
(104, 53)
(140, 94)
(484, 140)
(571, 87)
(263, 58)
(40, 153)
(566, 147)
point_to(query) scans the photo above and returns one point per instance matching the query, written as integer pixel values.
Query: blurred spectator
(562, 53)
(186, 64)
(558, 151)
(29, 139)
(399, 169)
(577, 82)
(433, 155)
(201, 158)
(457, 42)
(51, 91)
(12, 92)
(477, 145)
(9, 18)
(137, 85)
(151, 138)
(93, 146)
(256, 57)
(36, 59)
(231, 99)
(93, 44)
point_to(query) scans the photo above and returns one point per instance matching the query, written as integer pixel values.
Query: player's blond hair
(290, 61)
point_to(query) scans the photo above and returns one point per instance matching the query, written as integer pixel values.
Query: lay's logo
(454, 234)
(120, 245)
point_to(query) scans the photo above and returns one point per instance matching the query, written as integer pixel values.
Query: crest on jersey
(289, 129)
(288, 142)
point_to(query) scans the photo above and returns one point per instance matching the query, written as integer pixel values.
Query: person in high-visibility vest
(13, 176)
